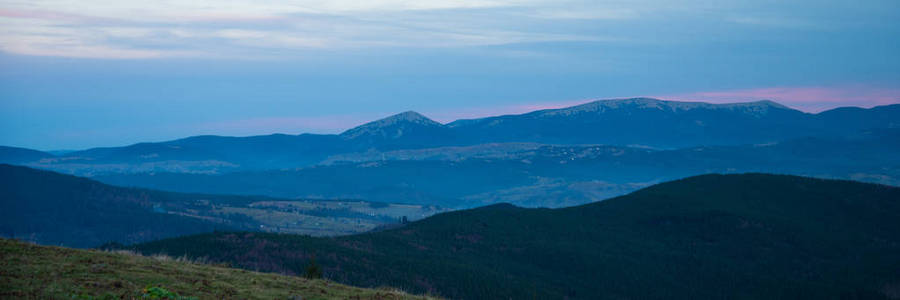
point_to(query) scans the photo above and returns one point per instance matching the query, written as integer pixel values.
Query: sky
(88, 73)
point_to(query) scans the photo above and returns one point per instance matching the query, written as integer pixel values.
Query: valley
(87, 213)
(536, 175)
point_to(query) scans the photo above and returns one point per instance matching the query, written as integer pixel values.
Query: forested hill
(55, 209)
(750, 236)
(51, 208)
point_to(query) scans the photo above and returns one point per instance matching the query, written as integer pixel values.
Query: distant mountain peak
(667, 105)
(408, 116)
(767, 103)
(404, 117)
(392, 123)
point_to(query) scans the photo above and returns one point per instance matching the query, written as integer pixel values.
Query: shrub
(156, 292)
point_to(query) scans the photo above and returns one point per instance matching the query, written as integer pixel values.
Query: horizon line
(530, 108)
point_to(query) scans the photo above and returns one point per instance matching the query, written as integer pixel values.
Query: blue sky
(79, 74)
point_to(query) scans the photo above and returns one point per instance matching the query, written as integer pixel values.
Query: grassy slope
(43, 272)
(752, 236)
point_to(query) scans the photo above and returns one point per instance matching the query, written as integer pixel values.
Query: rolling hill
(15, 155)
(56, 209)
(50, 208)
(748, 236)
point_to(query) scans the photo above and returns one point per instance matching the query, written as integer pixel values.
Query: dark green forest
(748, 236)
(55, 209)
(51, 208)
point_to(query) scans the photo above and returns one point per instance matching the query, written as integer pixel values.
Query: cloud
(774, 22)
(165, 28)
(240, 28)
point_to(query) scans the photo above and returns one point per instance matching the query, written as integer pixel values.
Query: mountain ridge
(700, 103)
(653, 103)
(789, 236)
(639, 102)
(644, 122)
(396, 119)
(18, 155)
(404, 130)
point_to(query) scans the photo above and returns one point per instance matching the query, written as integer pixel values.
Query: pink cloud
(810, 99)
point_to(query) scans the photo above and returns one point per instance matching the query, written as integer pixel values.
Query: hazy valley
(548, 158)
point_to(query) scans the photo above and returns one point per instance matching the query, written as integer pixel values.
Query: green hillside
(751, 236)
(29, 271)
(56, 209)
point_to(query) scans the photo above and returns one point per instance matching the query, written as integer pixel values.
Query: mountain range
(545, 158)
(640, 122)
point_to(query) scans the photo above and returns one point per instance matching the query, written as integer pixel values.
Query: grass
(30, 271)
